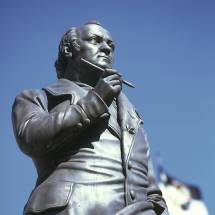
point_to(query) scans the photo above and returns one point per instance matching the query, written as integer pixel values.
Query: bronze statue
(84, 136)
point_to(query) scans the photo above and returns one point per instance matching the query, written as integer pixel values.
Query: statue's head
(90, 41)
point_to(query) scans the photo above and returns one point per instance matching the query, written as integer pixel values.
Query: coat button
(131, 130)
(105, 115)
(132, 194)
(87, 121)
(129, 164)
(79, 125)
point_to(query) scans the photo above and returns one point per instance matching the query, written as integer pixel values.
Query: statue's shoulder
(30, 94)
(60, 86)
(29, 98)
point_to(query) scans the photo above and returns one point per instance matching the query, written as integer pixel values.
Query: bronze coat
(44, 135)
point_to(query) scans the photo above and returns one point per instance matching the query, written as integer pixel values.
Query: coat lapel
(129, 122)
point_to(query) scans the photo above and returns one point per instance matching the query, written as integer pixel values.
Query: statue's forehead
(93, 29)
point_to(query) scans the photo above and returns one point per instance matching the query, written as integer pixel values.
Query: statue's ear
(71, 49)
(68, 52)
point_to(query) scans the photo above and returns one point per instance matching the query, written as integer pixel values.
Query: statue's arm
(154, 194)
(40, 133)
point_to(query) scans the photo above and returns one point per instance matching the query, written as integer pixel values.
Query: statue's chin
(104, 65)
(103, 62)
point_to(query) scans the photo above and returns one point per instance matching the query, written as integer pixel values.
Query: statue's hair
(69, 40)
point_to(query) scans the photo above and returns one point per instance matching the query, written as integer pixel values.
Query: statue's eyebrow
(94, 34)
(100, 36)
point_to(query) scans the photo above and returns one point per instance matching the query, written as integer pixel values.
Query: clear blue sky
(165, 47)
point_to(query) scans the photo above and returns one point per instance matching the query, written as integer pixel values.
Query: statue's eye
(111, 44)
(94, 39)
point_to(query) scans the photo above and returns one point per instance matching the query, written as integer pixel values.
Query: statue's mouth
(107, 59)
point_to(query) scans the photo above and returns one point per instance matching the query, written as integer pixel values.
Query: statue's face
(96, 45)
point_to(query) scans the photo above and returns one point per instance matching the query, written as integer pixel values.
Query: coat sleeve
(40, 133)
(154, 194)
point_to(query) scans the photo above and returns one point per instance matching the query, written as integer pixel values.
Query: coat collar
(63, 87)
(126, 111)
(129, 122)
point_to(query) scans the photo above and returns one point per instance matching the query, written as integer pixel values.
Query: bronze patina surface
(84, 136)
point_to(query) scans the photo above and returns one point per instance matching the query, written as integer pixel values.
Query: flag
(181, 198)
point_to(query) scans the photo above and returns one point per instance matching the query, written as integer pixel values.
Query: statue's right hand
(109, 86)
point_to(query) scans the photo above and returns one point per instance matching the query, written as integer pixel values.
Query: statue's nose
(105, 48)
